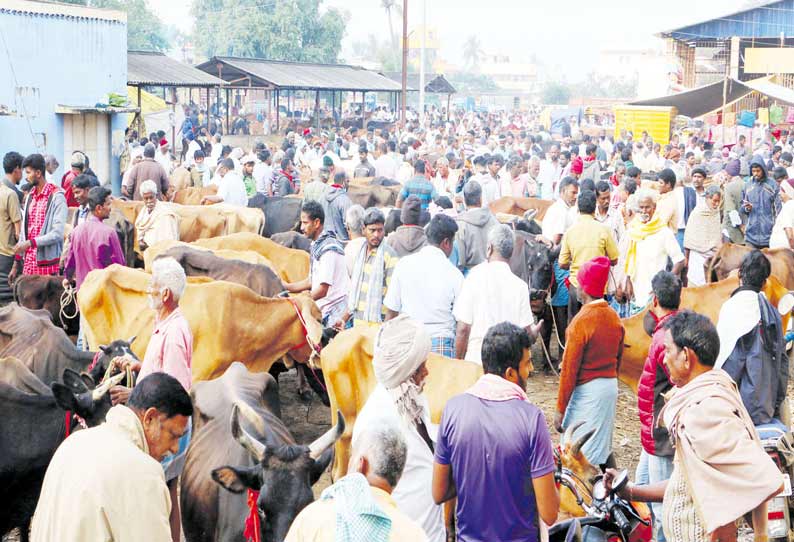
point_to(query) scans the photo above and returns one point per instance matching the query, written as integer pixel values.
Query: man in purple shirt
(94, 245)
(494, 451)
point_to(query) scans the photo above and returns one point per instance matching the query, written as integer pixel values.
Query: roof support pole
(228, 99)
(449, 96)
(317, 109)
(278, 113)
(405, 60)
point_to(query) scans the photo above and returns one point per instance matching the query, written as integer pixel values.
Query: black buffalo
(254, 450)
(32, 426)
(281, 213)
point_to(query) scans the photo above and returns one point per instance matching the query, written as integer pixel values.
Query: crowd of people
(629, 223)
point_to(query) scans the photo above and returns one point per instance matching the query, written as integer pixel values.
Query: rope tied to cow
(68, 297)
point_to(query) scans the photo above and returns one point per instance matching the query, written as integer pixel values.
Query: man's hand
(12, 275)
(122, 362)
(21, 247)
(747, 208)
(558, 421)
(119, 395)
(609, 476)
(543, 240)
(66, 284)
(726, 533)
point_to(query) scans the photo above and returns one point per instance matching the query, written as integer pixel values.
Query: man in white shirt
(562, 213)
(425, 285)
(385, 166)
(488, 181)
(491, 294)
(263, 172)
(401, 349)
(164, 156)
(231, 188)
(650, 244)
(328, 281)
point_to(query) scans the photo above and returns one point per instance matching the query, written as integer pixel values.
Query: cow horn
(577, 445)
(100, 391)
(253, 446)
(566, 438)
(328, 439)
(132, 340)
(530, 214)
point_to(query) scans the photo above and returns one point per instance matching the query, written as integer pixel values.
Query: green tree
(555, 94)
(392, 6)
(286, 30)
(145, 31)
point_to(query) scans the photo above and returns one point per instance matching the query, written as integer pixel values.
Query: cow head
(106, 354)
(572, 458)
(283, 476)
(78, 394)
(540, 266)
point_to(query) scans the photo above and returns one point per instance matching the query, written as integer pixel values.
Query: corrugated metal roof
(434, 83)
(156, 69)
(299, 75)
(766, 20)
(58, 9)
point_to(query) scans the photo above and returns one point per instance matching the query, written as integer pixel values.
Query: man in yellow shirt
(667, 204)
(585, 240)
(359, 506)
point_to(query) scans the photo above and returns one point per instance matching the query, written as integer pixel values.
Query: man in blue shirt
(418, 186)
(494, 451)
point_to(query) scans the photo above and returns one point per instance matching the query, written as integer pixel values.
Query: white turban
(401, 346)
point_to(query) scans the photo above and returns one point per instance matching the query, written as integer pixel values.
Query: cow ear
(64, 396)
(74, 381)
(320, 464)
(88, 381)
(238, 479)
(105, 349)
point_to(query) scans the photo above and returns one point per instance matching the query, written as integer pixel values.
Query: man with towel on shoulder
(401, 349)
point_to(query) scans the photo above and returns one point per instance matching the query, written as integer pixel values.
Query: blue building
(58, 63)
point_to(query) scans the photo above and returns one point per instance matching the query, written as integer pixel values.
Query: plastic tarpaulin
(702, 100)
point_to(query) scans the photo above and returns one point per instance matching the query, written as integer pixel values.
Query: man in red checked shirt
(38, 251)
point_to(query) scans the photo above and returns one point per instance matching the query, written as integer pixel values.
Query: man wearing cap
(588, 387)
(148, 168)
(410, 237)
(164, 156)
(577, 166)
(401, 349)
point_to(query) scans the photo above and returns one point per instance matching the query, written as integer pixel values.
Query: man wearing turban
(401, 349)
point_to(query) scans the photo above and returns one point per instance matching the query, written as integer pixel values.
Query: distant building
(57, 68)
(745, 45)
(432, 46)
(509, 74)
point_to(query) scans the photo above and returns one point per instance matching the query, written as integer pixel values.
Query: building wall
(55, 59)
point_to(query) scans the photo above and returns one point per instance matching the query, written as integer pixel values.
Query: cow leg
(304, 391)
(561, 323)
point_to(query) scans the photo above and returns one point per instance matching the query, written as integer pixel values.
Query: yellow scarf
(638, 231)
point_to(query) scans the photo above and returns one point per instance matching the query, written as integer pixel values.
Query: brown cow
(203, 263)
(192, 195)
(179, 179)
(518, 206)
(706, 300)
(291, 265)
(729, 257)
(229, 322)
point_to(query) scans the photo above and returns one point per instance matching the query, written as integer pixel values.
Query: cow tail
(714, 264)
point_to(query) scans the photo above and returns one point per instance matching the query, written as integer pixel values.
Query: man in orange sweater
(588, 380)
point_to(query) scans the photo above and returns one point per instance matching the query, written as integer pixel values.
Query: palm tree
(389, 6)
(472, 51)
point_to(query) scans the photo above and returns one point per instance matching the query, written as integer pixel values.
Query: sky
(567, 34)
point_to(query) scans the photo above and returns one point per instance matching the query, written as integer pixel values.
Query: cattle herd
(237, 261)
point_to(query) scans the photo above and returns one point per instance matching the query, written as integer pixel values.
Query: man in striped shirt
(418, 186)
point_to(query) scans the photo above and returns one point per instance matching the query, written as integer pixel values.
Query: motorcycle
(609, 518)
(778, 442)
